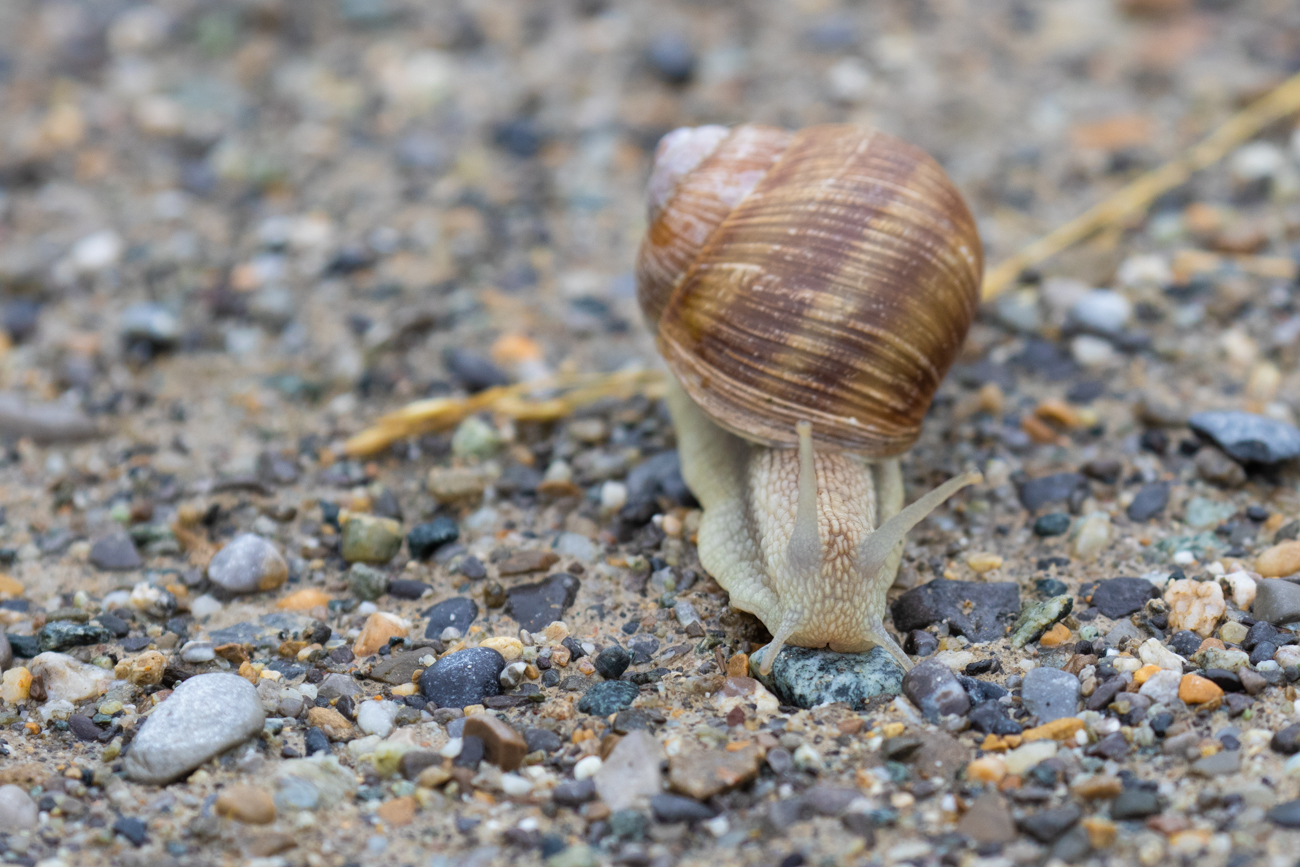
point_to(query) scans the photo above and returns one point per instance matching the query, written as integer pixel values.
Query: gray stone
(63, 634)
(1056, 488)
(464, 677)
(1247, 437)
(44, 422)
(336, 685)
(608, 697)
(1120, 597)
(115, 553)
(807, 677)
(1276, 601)
(933, 688)
(1050, 693)
(248, 564)
(1135, 803)
(978, 610)
(1149, 502)
(205, 716)
(151, 323)
(1217, 765)
(1103, 311)
(315, 783)
(367, 583)
(17, 810)
(1038, 618)
(370, 539)
(632, 773)
(538, 605)
(1287, 814)
(6, 653)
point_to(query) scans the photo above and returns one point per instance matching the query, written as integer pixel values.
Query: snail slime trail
(808, 292)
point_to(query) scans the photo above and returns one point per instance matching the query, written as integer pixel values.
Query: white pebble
(1243, 589)
(1103, 311)
(96, 252)
(1153, 652)
(613, 496)
(587, 767)
(1094, 535)
(198, 651)
(376, 717)
(205, 606)
(452, 748)
(1089, 351)
(515, 785)
(1184, 558)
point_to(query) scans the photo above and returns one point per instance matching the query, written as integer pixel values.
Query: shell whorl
(829, 274)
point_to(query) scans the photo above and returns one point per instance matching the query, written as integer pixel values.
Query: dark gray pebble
(807, 677)
(1050, 588)
(1276, 601)
(407, 588)
(675, 808)
(1105, 693)
(574, 793)
(1120, 597)
(1248, 438)
(1287, 815)
(6, 653)
(316, 741)
(671, 57)
(980, 611)
(424, 539)
(1185, 642)
(62, 634)
(1046, 826)
(542, 739)
(459, 611)
(132, 829)
(1050, 694)
(464, 677)
(1053, 524)
(608, 697)
(83, 727)
(115, 553)
(1149, 502)
(612, 662)
(920, 643)
(1287, 740)
(658, 476)
(933, 688)
(474, 371)
(1056, 488)
(1135, 803)
(538, 605)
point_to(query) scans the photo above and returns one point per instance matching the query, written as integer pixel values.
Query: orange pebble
(1056, 636)
(1194, 689)
(1143, 674)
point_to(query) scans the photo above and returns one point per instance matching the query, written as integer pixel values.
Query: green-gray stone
(1198, 543)
(368, 539)
(1038, 618)
(807, 677)
(1202, 512)
(577, 855)
(607, 697)
(62, 634)
(475, 438)
(366, 582)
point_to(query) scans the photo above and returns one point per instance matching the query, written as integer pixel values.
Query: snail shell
(827, 275)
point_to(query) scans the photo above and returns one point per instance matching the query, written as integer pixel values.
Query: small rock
(453, 484)
(1276, 601)
(988, 820)
(1120, 597)
(502, 745)
(475, 438)
(1046, 826)
(1093, 536)
(134, 830)
(18, 812)
(675, 808)
(632, 772)
(1036, 493)
(1050, 694)
(1103, 311)
(379, 628)
(6, 653)
(1220, 764)
(703, 773)
(472, 370)
(407, 588)
(933, 688)
(1287, 814)
(536, 606)
(335, 725)
(44, 423)
(1215, 467)
(523, 562)
(276, 469)
(458, 612)
(809, 677)
(1053, 524)
(1201, 512)
(1195, 605)
(980, 611)
(248, 564)
(376, 717)
(67, 679)
(464, 677)
(370, 539)
(316, 783)
(144, 670)
(425, 539)
(612, 662)
(1279, 561)
(1194, 689)
(1162, 687)
(366, 582)
(1134, 803)
(1248, 438)
(1287, 741)
(64, 634)
(251, 805)
(186, 730)
(607, 697)
(671, 58)
(1037, 618)
(1149, 502)
(115, 553)
(150, 324)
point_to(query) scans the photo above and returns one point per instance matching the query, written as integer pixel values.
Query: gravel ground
(232, 235)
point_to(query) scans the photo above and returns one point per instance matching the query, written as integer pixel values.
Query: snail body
(808, 291)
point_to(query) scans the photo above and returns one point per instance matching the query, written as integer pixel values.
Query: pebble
(316, 783)
(671, 58)
(1149, 502)
(1195, 605)
(248, 564)
(370, 539)
(1280, 560)
(1285, 814)
(463, 678)
(378, 629)
(1194, 689)
(67, 679)
(1162, 686)
(1053, 524)
(376, 717)
(612, 662)
(535, 606)
(702, 773)
(675, 808)
(184, 731)
(1025, 756)
(1287, 740)
(1276, 601)
(18, 811)
(6, 652)
(1135, 803)
(978, 610)
(1093, 536)
(1103, 311)
(1038, 617)
(1202, 513)
(333, 724)
(251, 805)
(988, 820)
(64, 634)
(523, 562)
(1217, 765)
(1047, 826)
(1152, 652)
(407, 588)
(453, 484)
(425, 539)
(115, 553)
(1036, 493)
(458, 613)
(1243, 589)
(366, 582)
(632, 773)
(1215, 467)
(1050, 694)
(472, 370)
(607, 697)
(810, 677)
(1233, 632)
(502, 745)
(933, 688)
(150, 324)
(1248, 438)
(475, 438)
(15, 685)
(1120, 597)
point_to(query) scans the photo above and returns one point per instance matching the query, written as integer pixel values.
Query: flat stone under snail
(809, 292)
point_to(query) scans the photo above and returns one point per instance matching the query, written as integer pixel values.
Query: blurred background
(341, 200)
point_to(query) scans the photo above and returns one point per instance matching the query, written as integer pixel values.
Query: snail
(808, 291)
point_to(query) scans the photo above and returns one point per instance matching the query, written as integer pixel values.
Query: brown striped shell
(829, 274)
